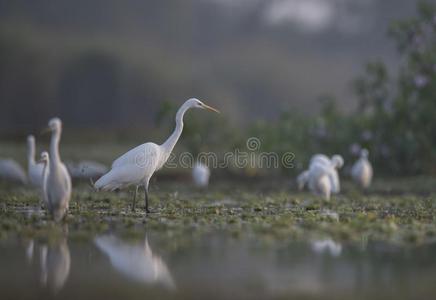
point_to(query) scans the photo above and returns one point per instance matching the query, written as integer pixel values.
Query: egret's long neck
(54, 147)
(169, 144)
(31, 152)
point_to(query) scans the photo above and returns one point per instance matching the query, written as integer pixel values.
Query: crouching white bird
(362, 170)
(57, 180)
(138, 165)
(34, 169)
(319, 180)
(10, 170)
(201, 175)
(335, 163)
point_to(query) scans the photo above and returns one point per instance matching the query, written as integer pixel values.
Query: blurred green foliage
(395, 118)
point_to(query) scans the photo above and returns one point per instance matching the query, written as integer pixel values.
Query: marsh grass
(396, 211)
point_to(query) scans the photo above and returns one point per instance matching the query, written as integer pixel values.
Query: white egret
(332, 165)
(86, 169)
(10, 170)
(34, 169)
(201, 175)
(138, 165)
(319, 180)
(57, 181)
(335, 163)
(135, 260)
(362, 171)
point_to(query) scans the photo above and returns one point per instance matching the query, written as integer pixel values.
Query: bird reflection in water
(136, 261)
(327, 246)
(55, 261)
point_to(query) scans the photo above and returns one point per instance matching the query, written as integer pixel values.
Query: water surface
(215, 266)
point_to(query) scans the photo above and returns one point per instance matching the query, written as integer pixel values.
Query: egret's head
(30, 140)
(337, 161)
(44, 157)
(193, 102)
(54, 125)
(364, 153)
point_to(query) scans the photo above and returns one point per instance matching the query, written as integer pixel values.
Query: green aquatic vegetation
(239, 210)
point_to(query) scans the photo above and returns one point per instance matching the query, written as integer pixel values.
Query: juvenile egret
(319, 180)
(362, 170)
(138, 165)
(10, 170)
(34, 169)
(135, 260)
(57, 181)
(200, 175)
(86, 169)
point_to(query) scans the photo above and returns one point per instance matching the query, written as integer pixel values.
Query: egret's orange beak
(211, 108)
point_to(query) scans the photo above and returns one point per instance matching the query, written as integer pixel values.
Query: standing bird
(57, 181)
(362, 170)
(138, 165)
(319, 180)
(10, 170)
(34, 169)
(201, 175)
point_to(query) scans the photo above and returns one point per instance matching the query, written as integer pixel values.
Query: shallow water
(215, 266)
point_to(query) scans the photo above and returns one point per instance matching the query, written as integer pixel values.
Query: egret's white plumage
(10, 170)
(86, 169)
(135, 260)
(138, 165)
(57, 180)
(331, 168)
(362, 171)
(201, 175)
(319, 180)
(34, 169)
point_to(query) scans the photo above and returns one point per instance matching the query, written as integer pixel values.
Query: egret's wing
(142, 155)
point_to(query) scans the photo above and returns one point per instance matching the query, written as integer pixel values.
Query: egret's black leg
(146, 201)
(134, 199)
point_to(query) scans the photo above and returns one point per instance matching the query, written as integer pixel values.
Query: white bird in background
(319, 179)
(57, 181)
(135, 260)
(138, 165)
(332, 165)
(10, 170)
(201, 175)
(34, 170)
(362, 170)
(86, 169)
